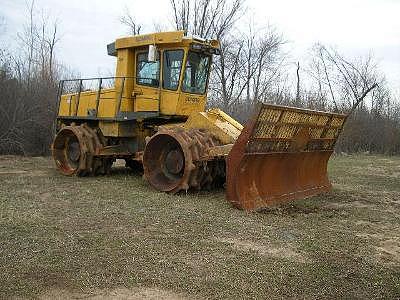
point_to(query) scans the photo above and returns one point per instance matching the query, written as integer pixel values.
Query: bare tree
(247, 69)
(206, 18)
(349, 80)
(298, 82)
(356, 85)
(28, 85)
(131, 23)
(268, 63)
(215, 19)
(46, 40)
(227, 73)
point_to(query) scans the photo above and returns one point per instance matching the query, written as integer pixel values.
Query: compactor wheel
(176, 159)
(74, 151)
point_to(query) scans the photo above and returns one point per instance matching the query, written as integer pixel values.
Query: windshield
(196, 73)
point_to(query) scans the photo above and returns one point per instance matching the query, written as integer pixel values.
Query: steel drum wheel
(67, 152)
(176, 160)
(164, 162)
(74, 151)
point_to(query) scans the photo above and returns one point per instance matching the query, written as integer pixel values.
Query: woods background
(254, 65)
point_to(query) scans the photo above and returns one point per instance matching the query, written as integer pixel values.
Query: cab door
(146, 90)
(172, 61)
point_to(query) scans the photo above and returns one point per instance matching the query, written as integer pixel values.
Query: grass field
(114, 236)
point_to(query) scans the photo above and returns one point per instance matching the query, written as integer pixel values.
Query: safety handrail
(77, 90)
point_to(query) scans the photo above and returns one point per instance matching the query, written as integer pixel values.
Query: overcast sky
(355, 27)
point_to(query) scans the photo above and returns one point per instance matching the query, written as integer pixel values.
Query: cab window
(147, 72)
(172, 65)
(196, 73)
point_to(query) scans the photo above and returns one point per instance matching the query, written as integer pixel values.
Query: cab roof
(171, 37)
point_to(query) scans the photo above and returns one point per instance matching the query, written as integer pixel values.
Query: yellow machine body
(152, 114)
(137, 97)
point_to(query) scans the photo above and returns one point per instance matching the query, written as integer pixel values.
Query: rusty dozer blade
(281, 155)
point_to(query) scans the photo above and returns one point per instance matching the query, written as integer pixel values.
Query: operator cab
(195, 74)
(170, 72)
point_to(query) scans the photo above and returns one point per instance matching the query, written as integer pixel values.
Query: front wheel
(176, 159)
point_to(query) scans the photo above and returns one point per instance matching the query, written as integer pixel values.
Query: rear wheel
(67, 151)
(74, 150)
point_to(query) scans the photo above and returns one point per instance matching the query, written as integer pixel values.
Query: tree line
(254, 65)
(29, 77)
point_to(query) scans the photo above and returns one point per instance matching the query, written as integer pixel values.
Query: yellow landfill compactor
(152, 115)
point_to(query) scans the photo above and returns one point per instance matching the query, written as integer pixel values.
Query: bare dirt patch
(118, 294)
(395, 174)
(272, 251)
(12, 172)
(389, 251)
(30, 173)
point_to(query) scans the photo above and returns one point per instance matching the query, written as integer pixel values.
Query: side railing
(122, 85)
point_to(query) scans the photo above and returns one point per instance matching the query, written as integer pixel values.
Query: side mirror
(152, 55)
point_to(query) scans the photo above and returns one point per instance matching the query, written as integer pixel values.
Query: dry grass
(114, 237)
